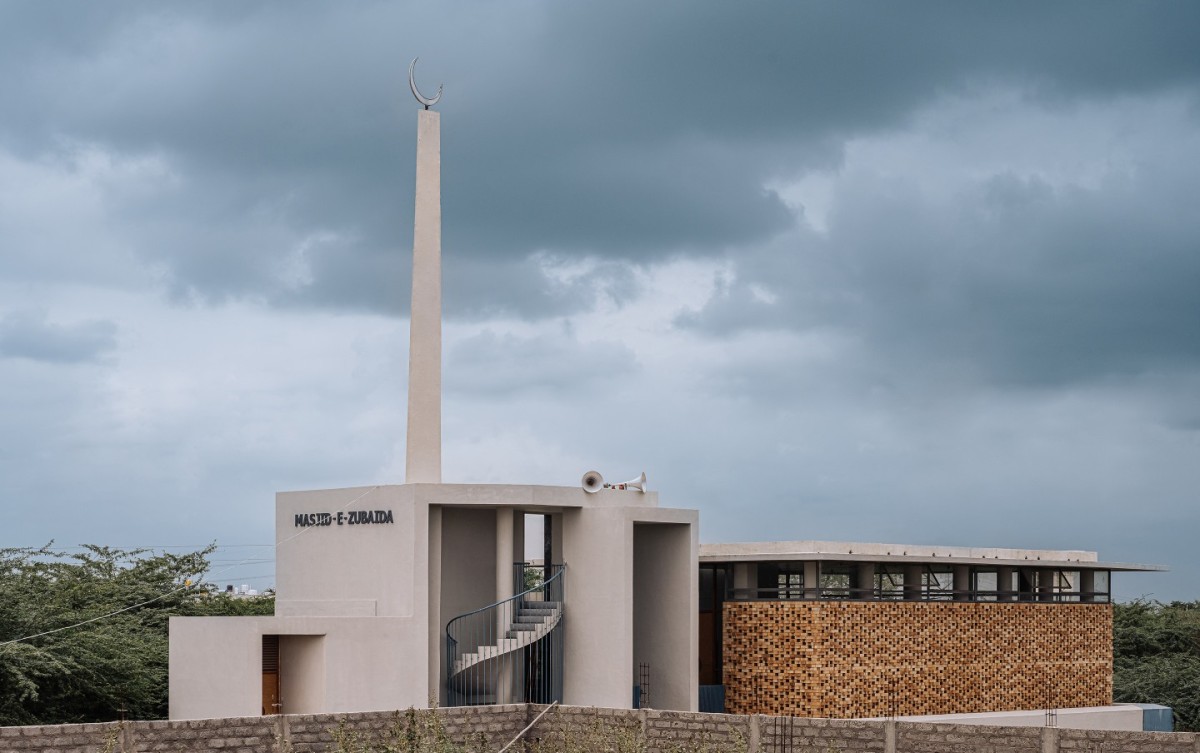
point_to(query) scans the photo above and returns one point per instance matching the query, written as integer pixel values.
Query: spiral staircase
(510, 651)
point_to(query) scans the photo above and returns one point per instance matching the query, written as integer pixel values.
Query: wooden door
(270, 675)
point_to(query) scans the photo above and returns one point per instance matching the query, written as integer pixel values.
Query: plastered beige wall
(302, 679)
(351, 570)
(663, 613)
(370, 663)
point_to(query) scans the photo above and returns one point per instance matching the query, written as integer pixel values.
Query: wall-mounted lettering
(343, 518)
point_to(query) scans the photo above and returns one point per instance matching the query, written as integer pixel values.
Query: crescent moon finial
(412, 84)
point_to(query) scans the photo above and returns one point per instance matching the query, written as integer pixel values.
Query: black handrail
(541, 586)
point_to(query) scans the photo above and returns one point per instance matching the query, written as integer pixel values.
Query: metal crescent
(412, 84)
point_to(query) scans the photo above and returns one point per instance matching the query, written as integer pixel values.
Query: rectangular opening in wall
(767, 581)
(1066, 585)
(712, 599)
(836, 579)
(791, 580)
(889, 582)
(937, 583)
(780, 580)
(985, 584)
(1026, 584)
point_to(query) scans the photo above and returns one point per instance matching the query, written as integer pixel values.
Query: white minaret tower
(424, 443)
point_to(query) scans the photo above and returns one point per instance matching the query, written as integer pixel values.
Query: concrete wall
(215, 667)
(302, 674)
(468, 561)
(871, 659)
(370, 663)
(351, 570)
(598, 547)
(598, 628)
(664, 582)
(564, 729)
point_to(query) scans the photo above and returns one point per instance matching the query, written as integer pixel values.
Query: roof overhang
(906, 554)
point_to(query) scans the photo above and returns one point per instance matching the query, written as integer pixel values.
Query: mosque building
(407, 595)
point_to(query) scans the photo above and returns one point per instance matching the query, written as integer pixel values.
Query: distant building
(837, 629)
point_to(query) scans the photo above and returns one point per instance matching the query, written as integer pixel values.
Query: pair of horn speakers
(594, 482)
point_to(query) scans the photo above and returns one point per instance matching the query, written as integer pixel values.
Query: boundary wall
(487, 729)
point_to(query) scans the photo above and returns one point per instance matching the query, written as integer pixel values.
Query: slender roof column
(424, 443)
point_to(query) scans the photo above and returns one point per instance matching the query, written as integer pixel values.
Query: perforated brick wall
(843, 659)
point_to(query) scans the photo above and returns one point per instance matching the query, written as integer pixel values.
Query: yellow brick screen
(844, 659)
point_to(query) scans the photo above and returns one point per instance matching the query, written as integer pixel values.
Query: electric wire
(186, 586)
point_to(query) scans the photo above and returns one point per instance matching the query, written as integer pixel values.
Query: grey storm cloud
(498, 365)
(615, 129)
(1014, 282)
(212, 202)
(32, 336)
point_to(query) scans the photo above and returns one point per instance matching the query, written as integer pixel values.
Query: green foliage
(534, 576)
(116, 665)
(1156, 657)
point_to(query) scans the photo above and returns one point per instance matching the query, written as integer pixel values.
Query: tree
(113, 664)
(1156, 657)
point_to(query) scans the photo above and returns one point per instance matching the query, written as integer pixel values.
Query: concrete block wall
(843, 659)
(482, 728)
(1091, 741)
(783, 733)
(954, 737)
(255, 734)
(486, 729)
(64, 738)
(665, 730)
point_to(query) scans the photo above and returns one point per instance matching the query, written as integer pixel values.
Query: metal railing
(510, 651)
(799, 593)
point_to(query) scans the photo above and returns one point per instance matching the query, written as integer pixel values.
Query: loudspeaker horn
(638, 483)
(592, 482)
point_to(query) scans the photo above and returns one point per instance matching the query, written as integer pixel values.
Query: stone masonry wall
(846, 659)
(486, 729)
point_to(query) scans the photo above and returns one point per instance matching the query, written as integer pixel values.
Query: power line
(184, 587)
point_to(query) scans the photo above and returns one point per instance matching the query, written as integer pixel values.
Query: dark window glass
(768, 579)
(706, 589)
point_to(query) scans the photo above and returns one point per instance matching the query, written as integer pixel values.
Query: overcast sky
(902, 272)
